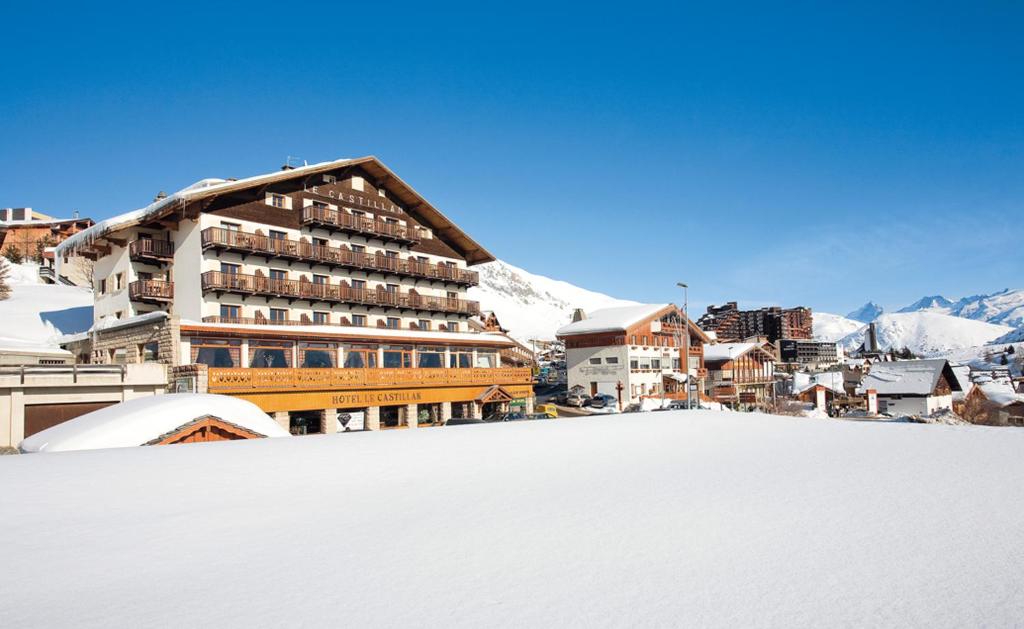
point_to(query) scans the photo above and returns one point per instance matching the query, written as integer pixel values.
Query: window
(633, 364)
(278, 315)
(655, 363)
(149, 352)
(358, 249)
(320, 243)
(460, 359)
(430, 357)
(101, 286)
(595, 361)
(231, 227)
(277, 200)
(360, 357)
(230, 312)
(453, 326)
(643, 340)
(319, 279)
(391, 288)
(394, 323)
(358, 286)
(216, 352)
(119, 314)
(277, 235)
(119, 356)
(230, 269)
(487, 359)
(611, 360)
(322, 318)
(359, 320)
(423, 324)
(397, 357)
(317, 355)
(119, 281)
(675, 364)
(278, 274)
(632, 340)
(270, 354)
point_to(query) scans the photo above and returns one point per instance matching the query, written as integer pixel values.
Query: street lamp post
(686, 342)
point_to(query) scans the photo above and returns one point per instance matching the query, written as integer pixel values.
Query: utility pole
(686, 343)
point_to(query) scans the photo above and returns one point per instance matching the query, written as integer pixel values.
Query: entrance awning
(494, 393)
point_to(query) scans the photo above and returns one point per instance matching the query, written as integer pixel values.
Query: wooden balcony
(151, 291)
(333, 257)
(340, 221)
(151, 251)
(294, 290)
(241, 380)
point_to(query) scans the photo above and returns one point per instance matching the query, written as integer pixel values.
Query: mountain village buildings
(912, 387)
(326, 290)
(730, 323)
(741, 374)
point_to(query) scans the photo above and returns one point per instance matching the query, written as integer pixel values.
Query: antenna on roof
(289, 165)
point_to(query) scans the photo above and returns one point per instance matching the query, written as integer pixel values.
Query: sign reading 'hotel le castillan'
(344, 196)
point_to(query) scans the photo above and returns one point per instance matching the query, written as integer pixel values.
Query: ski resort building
(912, 387)
(328, 289)
(731, 324)
(633, 352)
(741, 375)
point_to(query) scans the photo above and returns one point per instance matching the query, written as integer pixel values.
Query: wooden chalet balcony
(152, 291)
(150, 250)
(301, 322)
(216, 281)
(334, 257)
(242, 380)
(335, 220)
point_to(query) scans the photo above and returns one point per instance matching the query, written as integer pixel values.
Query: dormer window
(357, 183)
(278, 200)
(330, 179)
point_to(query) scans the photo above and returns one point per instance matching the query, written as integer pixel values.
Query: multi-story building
(813, 354)
(27, 233)
(731, 324)
(741, 375)
(311, 291)
(632, 352)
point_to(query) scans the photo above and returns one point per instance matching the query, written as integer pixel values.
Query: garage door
(39, 417)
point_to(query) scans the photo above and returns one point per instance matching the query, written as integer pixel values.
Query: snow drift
(664, 519)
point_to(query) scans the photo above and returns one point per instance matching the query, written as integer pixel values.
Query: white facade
(641, 370)
(907, 405)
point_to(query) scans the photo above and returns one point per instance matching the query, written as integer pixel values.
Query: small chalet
(741, 375)
(912, 387)
(993, 402)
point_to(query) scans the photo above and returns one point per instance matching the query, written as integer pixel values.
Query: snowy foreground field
(662, 519)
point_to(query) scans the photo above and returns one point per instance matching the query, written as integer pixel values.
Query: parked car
(603, 400)
(538, 416)
(577, 399)
(463, 421)
(505, 417)
(546, 409)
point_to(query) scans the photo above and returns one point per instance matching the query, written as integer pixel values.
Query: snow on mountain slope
(928, 333)
(934, 303)
(36, 314)
(831, 328)
(533, 306)
(1005, 307)
(694, 518)
(866, 313)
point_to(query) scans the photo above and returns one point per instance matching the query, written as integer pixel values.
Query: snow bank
(36, 314)
(138, 421)
(688, 518)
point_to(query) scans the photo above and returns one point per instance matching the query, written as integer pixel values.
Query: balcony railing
(345, 324)
(148, 249)
(233, 240)
(241, 380)
(343, 221)
(151, 290)
(301, 289)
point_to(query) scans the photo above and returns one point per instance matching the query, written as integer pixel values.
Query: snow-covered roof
(832, 380)
(726, 351)
(907, 377)
(335, 331)
(1000, 392)
(138, 421)
(612, 319)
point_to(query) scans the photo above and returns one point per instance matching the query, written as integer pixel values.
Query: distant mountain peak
(866, 313)
(931, 302)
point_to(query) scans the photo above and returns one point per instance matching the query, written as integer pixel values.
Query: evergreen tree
(13, 254)
(5, 271)
(1010, 350)
(1003, 360)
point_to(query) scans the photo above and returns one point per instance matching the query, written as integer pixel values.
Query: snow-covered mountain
(866, 313)
(935, 303)
(928, 333)
(831, 328)
(533, 306)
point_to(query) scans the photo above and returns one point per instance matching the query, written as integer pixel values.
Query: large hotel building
(321, 292)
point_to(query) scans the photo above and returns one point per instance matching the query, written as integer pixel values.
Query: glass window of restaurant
(461, 358)
(397, 357)
(216, 352)
(486, 358)
(360, 356)
(317, 355)
(429, 357)
(270, 354)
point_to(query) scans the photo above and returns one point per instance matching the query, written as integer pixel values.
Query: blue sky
(772, 154)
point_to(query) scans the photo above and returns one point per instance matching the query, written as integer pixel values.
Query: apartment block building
(311, 291)
(731, 324)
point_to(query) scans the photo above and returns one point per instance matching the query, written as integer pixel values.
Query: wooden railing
(218, 237)
(300, 289)
(373, 227)
(149, 248)
(227, 380)
(151, 290)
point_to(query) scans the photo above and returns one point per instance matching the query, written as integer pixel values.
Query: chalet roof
(831, 380)
(908, 377)
(1000, 393)
(721, 352)
(415, 205)
(620, 319)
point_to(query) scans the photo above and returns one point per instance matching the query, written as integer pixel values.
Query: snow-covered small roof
(726, 351)
(907, 377)
(139, 421)
(1000, 392)
(832, 380)
(612, 319)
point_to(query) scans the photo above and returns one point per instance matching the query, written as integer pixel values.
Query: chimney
(160, 196)
(74, 214)
(578, 315)
(287, 167)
